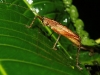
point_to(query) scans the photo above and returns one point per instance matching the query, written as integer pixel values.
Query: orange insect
(61, 30)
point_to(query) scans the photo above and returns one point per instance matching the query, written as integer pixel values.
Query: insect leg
(54, 46)
(77, 59)
(31, 23)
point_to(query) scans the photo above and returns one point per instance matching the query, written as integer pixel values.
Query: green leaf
(25, 51)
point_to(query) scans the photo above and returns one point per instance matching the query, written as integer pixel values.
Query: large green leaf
(25, 51)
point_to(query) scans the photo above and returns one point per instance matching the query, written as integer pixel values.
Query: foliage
(25, 51)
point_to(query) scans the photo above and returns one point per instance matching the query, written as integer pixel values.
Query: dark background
(89, 12)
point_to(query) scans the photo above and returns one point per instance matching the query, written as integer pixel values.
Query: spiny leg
(54, 46)
(77, 59)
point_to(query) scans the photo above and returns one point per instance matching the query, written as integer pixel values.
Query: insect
(61, 30)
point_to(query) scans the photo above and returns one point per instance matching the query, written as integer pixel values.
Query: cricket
(61, 30)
